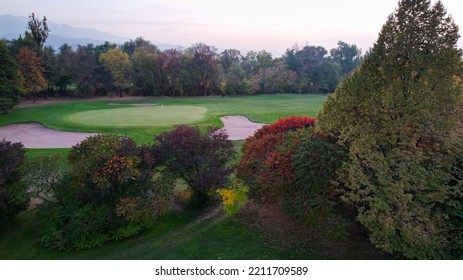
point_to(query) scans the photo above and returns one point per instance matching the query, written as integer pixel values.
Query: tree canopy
(399, 115)
(118, 64)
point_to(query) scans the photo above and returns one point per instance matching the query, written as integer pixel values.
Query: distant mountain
(13, 26)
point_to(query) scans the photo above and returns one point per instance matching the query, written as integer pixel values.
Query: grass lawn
(35, 153)
(182, 235)
(179, 235)
(105, 117)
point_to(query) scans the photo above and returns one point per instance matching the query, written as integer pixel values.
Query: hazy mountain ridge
(13, 26)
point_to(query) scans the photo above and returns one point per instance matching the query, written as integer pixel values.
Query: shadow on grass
(184, 235)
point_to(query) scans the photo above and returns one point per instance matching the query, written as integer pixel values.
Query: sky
(240, 24)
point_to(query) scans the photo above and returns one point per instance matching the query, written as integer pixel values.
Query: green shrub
(88, 226)
(110, 192)
(312, 195)
(13, 197)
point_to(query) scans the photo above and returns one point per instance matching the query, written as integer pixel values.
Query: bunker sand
(35, 135)
(239, 128)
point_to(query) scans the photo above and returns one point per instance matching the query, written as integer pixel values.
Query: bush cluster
(13, 198)
(260, 164)
(114, 189)
(287, 163)
(110, 192)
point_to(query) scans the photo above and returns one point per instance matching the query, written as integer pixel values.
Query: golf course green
(139, 116)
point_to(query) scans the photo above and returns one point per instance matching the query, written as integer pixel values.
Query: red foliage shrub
(278, 165)
(266, 164)
(284, 125)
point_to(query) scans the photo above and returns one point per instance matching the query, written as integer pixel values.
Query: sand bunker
(239, 128)
(35, 135)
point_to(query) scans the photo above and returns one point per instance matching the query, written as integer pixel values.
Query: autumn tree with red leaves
(32, 71)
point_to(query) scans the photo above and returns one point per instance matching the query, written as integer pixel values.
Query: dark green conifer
(400, 117)
(9, 80)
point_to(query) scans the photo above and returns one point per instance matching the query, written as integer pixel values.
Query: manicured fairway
(139, 116)
(143, 123)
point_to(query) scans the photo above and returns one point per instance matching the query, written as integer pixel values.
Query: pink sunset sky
(242, 24)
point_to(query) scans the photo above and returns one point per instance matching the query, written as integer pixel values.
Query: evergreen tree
(9, 80)
(398, 115)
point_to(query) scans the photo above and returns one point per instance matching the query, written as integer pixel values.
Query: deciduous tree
(51, 67)
(66, 65)
(204, 68)
(32, 72)
(38, 30)
(85, 70)
(228, 58)
(347, 56)
(201, 159)
(117, 62)
(143, 68)
(174, 71)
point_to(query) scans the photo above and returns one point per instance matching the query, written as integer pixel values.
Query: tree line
(138, 67)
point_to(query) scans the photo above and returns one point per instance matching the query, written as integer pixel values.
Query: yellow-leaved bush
(233, 197)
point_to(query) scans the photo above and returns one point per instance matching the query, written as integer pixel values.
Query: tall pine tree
(400, 117)
(9, 79)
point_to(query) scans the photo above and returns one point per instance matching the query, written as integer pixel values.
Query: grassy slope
(265, 108)
(177, 236)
